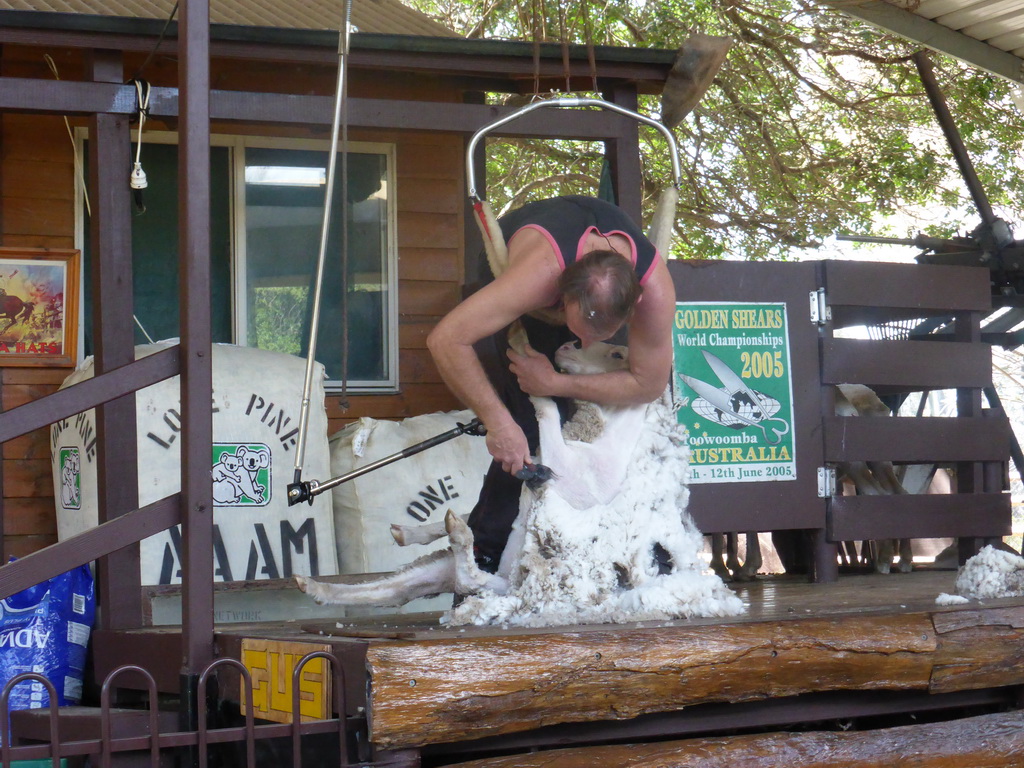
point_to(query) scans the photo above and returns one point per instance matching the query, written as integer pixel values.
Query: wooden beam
(88, 394)
(90, 544)
(68, 97)
(906, 364)
(916, 440)
(985, 741)
(855, 518)
(925, 288)
(500, 63)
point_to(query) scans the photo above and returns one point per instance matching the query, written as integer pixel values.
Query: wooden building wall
(37, 210)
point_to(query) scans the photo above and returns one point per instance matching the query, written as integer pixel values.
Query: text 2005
(762, 365)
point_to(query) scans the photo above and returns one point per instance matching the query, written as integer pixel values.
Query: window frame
(236, 144)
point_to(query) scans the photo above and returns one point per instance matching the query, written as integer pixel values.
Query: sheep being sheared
(586, 545)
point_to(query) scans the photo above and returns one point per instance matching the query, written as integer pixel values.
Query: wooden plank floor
(771, 598)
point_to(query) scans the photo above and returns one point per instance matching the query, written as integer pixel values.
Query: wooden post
(623, 154)
(969, 474)
(119, 577)
(196, 367)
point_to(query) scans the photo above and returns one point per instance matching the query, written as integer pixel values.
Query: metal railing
(206, 736)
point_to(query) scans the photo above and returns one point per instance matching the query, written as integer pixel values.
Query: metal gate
(932, 318)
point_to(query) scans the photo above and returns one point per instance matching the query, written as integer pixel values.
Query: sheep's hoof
(721, 571)
(458, 531)
(301, 583)
(398, 534)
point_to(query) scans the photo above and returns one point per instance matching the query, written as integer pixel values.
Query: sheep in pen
(873, 478)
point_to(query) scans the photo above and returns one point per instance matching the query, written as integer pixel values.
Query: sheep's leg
(405, 535)
(906, 561)
(885, 477)
(512, 555)
(553, 451)
(862, 478)
(883, 555)
(847, 553)
(717, 556)
(428, 575)
(732, 555)
(752, 562)
(469, 579)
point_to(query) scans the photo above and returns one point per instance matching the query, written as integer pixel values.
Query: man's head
(599, 291)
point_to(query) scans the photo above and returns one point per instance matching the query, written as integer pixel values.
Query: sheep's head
(597, 358)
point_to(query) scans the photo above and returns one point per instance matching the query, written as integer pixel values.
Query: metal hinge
(826, 482)
(821, 312)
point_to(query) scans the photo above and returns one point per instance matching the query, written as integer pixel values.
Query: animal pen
(847, 650)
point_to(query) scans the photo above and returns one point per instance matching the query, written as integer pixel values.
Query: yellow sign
(271, 664)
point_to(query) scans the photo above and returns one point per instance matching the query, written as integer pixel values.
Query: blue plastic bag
(45, 629)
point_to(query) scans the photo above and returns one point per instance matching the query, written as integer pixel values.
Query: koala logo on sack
(241, 474)
(70, 478)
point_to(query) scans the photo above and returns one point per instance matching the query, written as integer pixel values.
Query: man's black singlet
(567, 221)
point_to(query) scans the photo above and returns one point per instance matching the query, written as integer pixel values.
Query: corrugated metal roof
(375, 16)
(999, 23)
(988, 34)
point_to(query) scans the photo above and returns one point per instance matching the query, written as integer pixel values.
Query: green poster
(732, 371)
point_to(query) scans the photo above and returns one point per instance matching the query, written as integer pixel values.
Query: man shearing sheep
(586, 260)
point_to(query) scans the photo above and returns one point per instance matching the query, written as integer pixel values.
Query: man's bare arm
(527, 285)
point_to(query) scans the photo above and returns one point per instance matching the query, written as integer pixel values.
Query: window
(266, 217)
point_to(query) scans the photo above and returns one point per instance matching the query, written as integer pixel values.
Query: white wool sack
(257, 396)
(415, 490)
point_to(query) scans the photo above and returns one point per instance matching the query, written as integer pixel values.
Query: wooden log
(473, 686)
(986, 741)
(979, 649)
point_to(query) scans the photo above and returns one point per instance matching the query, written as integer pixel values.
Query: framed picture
(38, 306)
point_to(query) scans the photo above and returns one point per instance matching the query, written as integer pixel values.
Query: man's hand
(534, 371)
(507, 446)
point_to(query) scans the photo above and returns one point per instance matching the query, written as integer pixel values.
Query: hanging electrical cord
(138, 181)
(156, 47)
(80, 174)
(79, 170)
